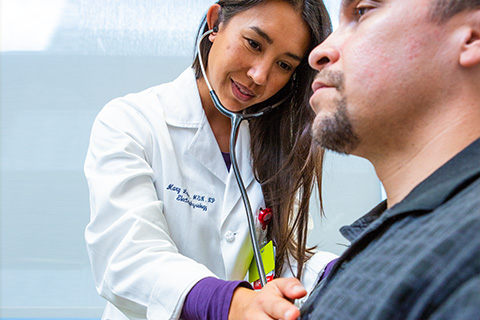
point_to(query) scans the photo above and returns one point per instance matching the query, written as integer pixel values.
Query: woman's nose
(259, 72)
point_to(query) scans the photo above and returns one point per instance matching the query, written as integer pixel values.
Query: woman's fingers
(272, 302)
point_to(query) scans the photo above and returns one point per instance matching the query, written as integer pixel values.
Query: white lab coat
(165, 211)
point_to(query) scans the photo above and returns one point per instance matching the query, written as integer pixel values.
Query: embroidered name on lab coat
(196, 202)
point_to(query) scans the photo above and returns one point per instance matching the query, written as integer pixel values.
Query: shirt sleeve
(210, 298)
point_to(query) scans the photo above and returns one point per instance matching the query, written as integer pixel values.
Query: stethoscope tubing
(236, 120)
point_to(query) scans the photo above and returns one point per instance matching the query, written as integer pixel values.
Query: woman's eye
(285, 66)
(255, 45)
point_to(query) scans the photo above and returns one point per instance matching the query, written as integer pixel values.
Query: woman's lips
(242, 93)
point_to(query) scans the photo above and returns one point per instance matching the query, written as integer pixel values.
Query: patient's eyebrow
(345, 4)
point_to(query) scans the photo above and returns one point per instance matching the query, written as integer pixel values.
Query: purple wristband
(210, 298)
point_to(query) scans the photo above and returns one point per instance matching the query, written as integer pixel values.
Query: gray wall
(62, 60)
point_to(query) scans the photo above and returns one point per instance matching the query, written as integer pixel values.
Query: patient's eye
(362, 8)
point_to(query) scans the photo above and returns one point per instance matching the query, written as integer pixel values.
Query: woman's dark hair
(285, 162)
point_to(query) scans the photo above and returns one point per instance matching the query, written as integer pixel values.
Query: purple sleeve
(210, 298)
(327, 269)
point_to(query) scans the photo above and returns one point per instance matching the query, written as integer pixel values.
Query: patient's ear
(470, 53)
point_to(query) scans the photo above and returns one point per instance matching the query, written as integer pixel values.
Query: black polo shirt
(419, 259)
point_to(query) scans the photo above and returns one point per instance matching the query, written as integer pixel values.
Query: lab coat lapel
(190, 114)
(205, 149)
(232, 191)
(187, 112)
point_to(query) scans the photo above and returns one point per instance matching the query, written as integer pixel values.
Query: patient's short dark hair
(442, 10)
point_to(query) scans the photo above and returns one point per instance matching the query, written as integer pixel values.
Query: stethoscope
(236, 119)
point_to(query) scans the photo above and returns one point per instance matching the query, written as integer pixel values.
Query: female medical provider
(166, 211)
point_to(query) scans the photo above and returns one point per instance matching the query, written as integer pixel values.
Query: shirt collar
(354, 230)
(182, 100)
(431, 193)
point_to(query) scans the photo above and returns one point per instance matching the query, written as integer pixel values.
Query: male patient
(399, 84)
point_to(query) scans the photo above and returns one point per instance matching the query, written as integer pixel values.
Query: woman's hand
(272, 302)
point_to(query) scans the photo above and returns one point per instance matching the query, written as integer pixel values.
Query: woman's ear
(470, 52)
(213, 14)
